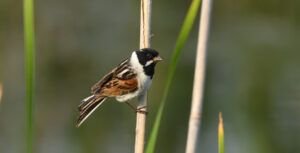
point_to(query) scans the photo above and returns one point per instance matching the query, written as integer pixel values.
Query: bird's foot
(141, 110)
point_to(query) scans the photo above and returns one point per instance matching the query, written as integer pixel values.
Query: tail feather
(87, 107)
(85, 102)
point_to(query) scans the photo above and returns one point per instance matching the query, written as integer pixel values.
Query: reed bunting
(131, 78)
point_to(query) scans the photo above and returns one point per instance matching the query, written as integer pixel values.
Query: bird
(130, 79)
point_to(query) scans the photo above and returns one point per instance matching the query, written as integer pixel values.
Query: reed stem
(199, 76)
(145, 37)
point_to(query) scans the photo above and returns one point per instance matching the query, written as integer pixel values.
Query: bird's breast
(144, 82)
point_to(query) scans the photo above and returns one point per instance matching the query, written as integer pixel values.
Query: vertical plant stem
(145, 36)
(221, 134)
(1, 92)
(197, 99)
(29, 42)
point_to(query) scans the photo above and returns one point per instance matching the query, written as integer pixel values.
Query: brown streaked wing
(124, 65)
(117, 87)
(97, 87)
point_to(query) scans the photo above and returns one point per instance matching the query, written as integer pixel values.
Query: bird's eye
(149, 56)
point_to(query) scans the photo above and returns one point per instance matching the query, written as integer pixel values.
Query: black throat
(149, 70)
(146, 55)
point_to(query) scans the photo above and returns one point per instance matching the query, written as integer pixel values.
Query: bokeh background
(253, 75)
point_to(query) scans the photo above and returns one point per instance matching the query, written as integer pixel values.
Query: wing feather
(119, 87)
(96, 88)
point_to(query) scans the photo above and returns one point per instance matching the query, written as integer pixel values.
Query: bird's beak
(157, 59)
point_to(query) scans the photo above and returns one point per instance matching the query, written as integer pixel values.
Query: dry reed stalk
(145, 36)
(197, 99)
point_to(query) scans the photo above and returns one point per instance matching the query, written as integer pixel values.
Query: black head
(147, 55)
(148, 58)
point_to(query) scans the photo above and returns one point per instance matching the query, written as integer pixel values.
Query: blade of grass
(29, 42)
(221, 134)
(1, 92)
(181, 40)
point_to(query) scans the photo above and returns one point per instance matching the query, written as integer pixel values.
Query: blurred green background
(253, 75)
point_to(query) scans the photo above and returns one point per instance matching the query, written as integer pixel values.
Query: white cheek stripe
(148, 63)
